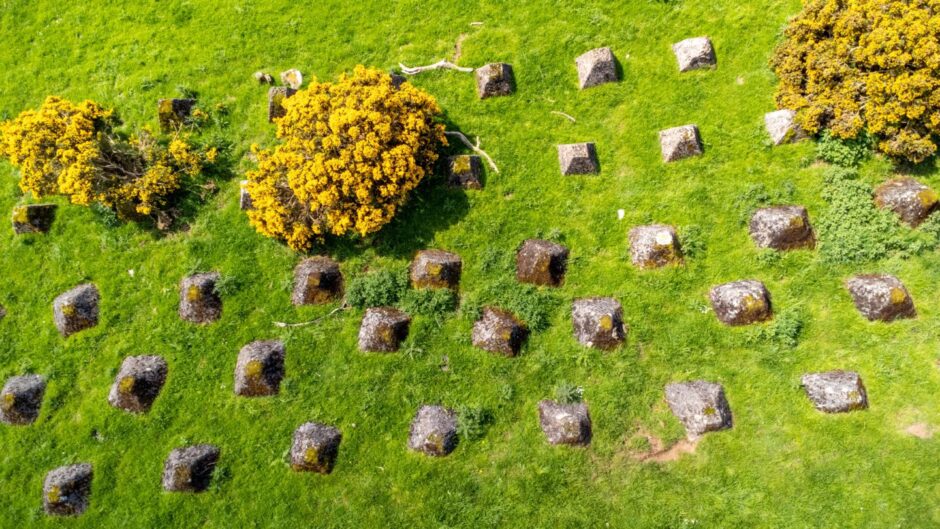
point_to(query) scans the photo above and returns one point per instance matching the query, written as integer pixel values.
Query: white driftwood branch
(311, 322)
(476, 148)
(439, 65)
(562, 114)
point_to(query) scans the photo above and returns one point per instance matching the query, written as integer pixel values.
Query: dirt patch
(921, 430)
(659, 452)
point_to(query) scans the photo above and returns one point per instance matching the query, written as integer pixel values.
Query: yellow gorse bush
(350, 153)
(71, 149)
(865, 65)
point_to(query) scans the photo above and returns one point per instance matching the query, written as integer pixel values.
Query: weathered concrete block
(199, 301)
(499, 331)
(565, 424)
(908, 198)
(260, 369)
(782, 128)
(701, 406)
(383, 329)
(33, 218)
(292, 78)
(695, 53)
(174, 113)
(276, 97)
(436, 269)
(76, 310)
(433, 431)
(21, 399)
(466, 171)
(680, 142)
(190, 469)
(66, 491)
(244, 199)
(541, 262)
(835, 391)
(138, 383)
(578, 158)
(598, 322)
(741, 302)
(495, 80)
(881, 297)
(654, 246)
(596, 67)
(782, 228)
(315, 448)
(317, 280)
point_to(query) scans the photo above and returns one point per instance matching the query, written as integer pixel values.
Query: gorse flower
(72, 150)
(350, 153)
(865, 65)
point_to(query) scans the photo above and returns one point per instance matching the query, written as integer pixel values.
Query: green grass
(782, 465)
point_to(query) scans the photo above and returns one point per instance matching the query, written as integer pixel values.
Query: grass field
(782, 465)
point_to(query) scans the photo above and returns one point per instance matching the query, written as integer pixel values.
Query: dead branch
(439, 65)
(562, 114)
(311, 322)
(475, 148)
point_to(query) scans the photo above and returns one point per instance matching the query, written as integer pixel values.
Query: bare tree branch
(475, 148)
(439, 65)
(562, 114)
(282, 324)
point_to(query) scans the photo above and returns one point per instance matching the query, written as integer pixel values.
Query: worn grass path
(783, 464)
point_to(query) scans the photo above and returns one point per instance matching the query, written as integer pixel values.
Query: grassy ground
(783, 464)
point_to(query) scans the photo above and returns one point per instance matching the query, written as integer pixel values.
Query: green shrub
(568, 393)
(377, 289)
(783, 332)
(528, 303)
(843, 152)
(472, 421)
(692, 241)
(429, 302)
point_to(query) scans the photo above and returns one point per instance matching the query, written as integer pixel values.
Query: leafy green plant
(429, 302)
(377, 289)
(531, 305)
(843, 152)
(568, 393)
(692, 240)
(472, 421)
(783, 332)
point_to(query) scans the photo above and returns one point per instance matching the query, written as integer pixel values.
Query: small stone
(315, 448)
(433, 431)
(190, 469)
(596, 67)
(199, 302)
(317, 280)
(383, 329)
(292, 78)
(782, 128)
(33, 218)
(835, 391)
(654, 246)
(782, 228)
(398, 80)
(244, 199)
(276, 97)
(466, 171)
(436, 269)
(499, 331)
(741, 302)
(680, 142)
(908, 198)
(3, 312)
(701, 406)
(138, 383)
(495, 80)
(260, 369)
(598, 322)
(541, 262)
(565, 424)
(694, 53)
(66, 490)
(578, 158)
(76, 310)
(21, 399)
(174, 113)
(881, 297)
(264, 78)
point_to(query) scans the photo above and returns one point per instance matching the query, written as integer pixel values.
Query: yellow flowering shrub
(852, 66)
(72, 149)
(349, 154)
